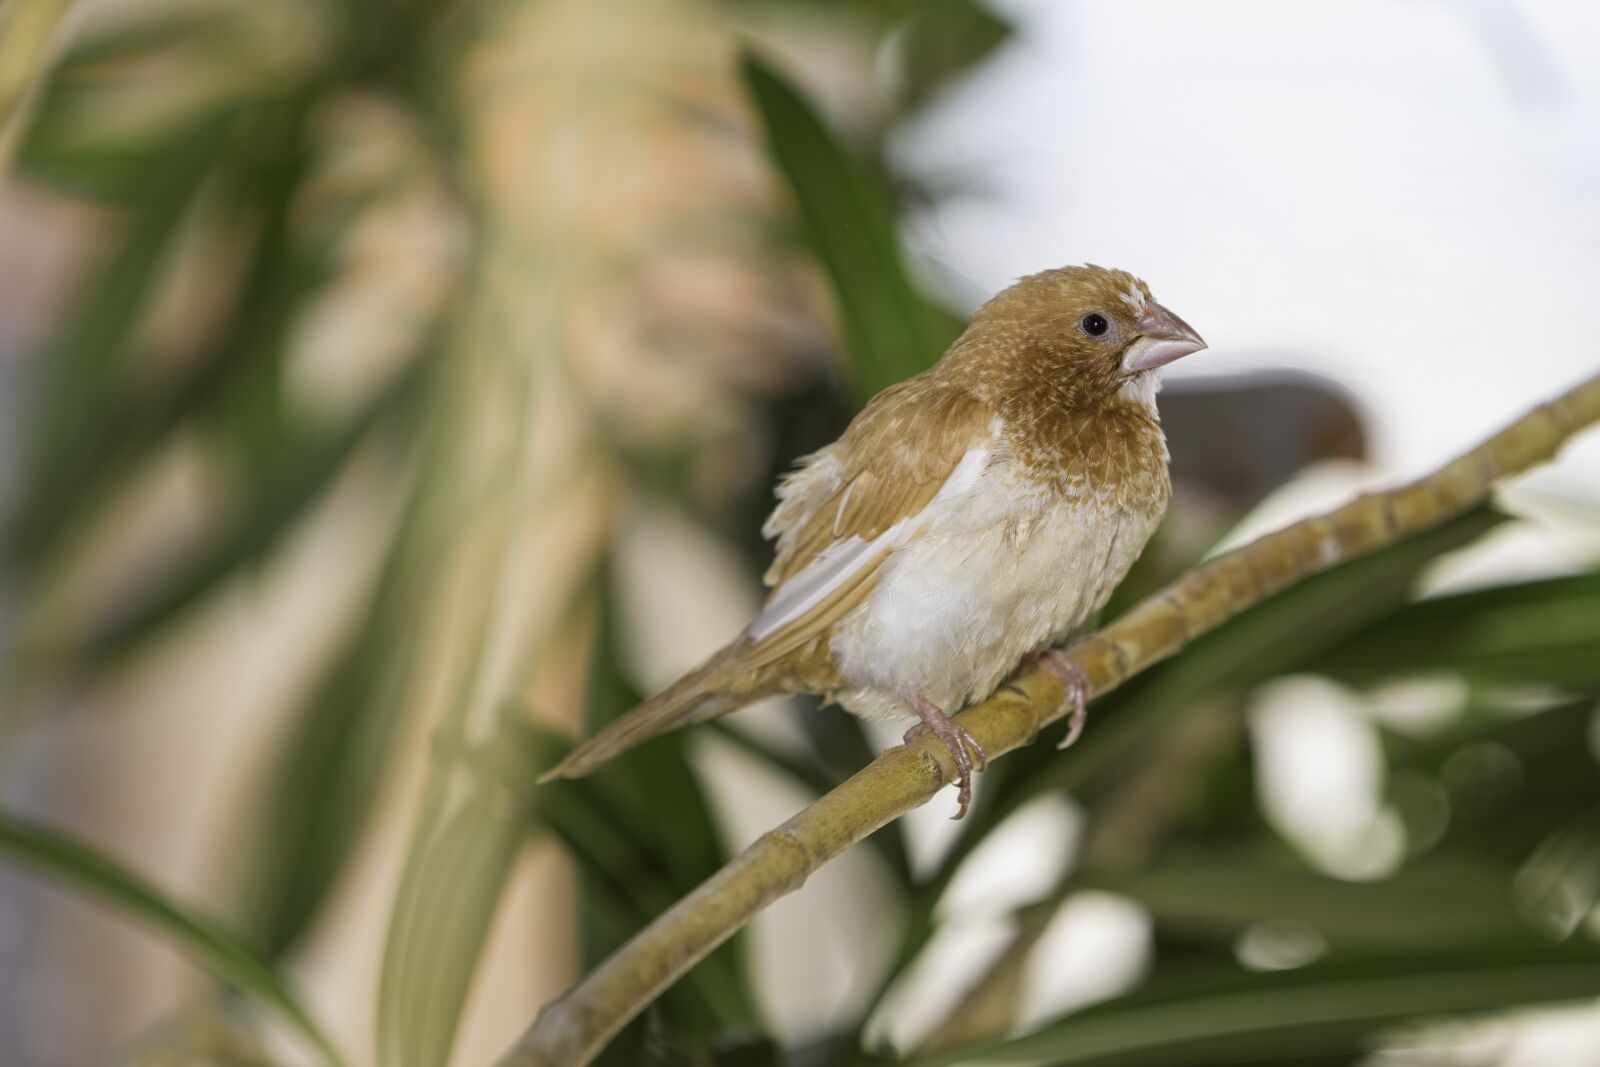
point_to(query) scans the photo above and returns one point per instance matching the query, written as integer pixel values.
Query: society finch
(967, 520)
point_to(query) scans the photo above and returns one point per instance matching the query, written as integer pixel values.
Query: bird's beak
(1163, 337)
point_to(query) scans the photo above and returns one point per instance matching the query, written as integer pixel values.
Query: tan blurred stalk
(618, 296)
(28, 30)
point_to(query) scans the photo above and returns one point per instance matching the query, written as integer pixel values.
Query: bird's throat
(1141, 389)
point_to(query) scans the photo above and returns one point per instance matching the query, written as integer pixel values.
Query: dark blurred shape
(944, 39)
(1238, 437)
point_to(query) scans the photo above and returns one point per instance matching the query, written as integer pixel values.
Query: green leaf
(467, 836)
(214, 1031)
(650, 792)
(87, 369)
(69, 145)
(1508, 783)
(1543, 631)
(141, 40)
(255, 186)
(328, 774)
(1439, 900)
(942, 39)
(300, 474)
(891, 331)
(214, 948)
(1323, 1009)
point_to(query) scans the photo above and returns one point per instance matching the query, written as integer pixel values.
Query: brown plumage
(969, 518)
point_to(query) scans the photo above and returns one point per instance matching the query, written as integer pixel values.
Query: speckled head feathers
(1079, 333)
(1050, 291)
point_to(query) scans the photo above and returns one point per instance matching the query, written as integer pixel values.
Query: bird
(966, 522)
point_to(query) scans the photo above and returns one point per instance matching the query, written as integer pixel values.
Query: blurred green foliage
(82, 868)
(891, 330)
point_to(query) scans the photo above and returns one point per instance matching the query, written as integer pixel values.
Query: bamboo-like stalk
(570, 1031)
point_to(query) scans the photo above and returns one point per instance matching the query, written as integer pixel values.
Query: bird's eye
(1094, 324)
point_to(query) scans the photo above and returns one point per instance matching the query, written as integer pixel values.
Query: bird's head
(1085, 332)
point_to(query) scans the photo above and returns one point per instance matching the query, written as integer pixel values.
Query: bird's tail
(704, 693)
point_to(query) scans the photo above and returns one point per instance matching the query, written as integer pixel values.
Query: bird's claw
(964, 749)
(1078, 688)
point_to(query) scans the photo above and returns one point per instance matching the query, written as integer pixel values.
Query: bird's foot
(1078, 687)
(964, 748)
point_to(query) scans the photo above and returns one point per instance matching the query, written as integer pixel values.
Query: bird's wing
(853, 503)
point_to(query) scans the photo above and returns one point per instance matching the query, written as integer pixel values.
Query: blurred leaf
(1325, 1008)
(302, 470)
(1543, 631)
(137, 40)
(386, 40)
(640, 833)
(1508, 783)
(467, 836)
(654, 794)
(27, 33)
(211, 946)
(87, 370)
(891, 331)
(213, 1032)
(69, 146)
(258, 182)
(942, 39)
(1439, 900)
(332, 763)
(98, 173)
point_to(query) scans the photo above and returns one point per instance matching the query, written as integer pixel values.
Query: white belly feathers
(1000, 571)
(844, 559)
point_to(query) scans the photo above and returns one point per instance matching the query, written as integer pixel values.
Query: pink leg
(957, 740)
(1078, 690)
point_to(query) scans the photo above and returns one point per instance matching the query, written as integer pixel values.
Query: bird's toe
(1078, 689)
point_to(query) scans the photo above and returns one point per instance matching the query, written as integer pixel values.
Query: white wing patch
(844, 502)
(800, 493)
(841, 561)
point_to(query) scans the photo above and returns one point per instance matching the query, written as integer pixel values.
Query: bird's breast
(1116, 454)
(1000, 572)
